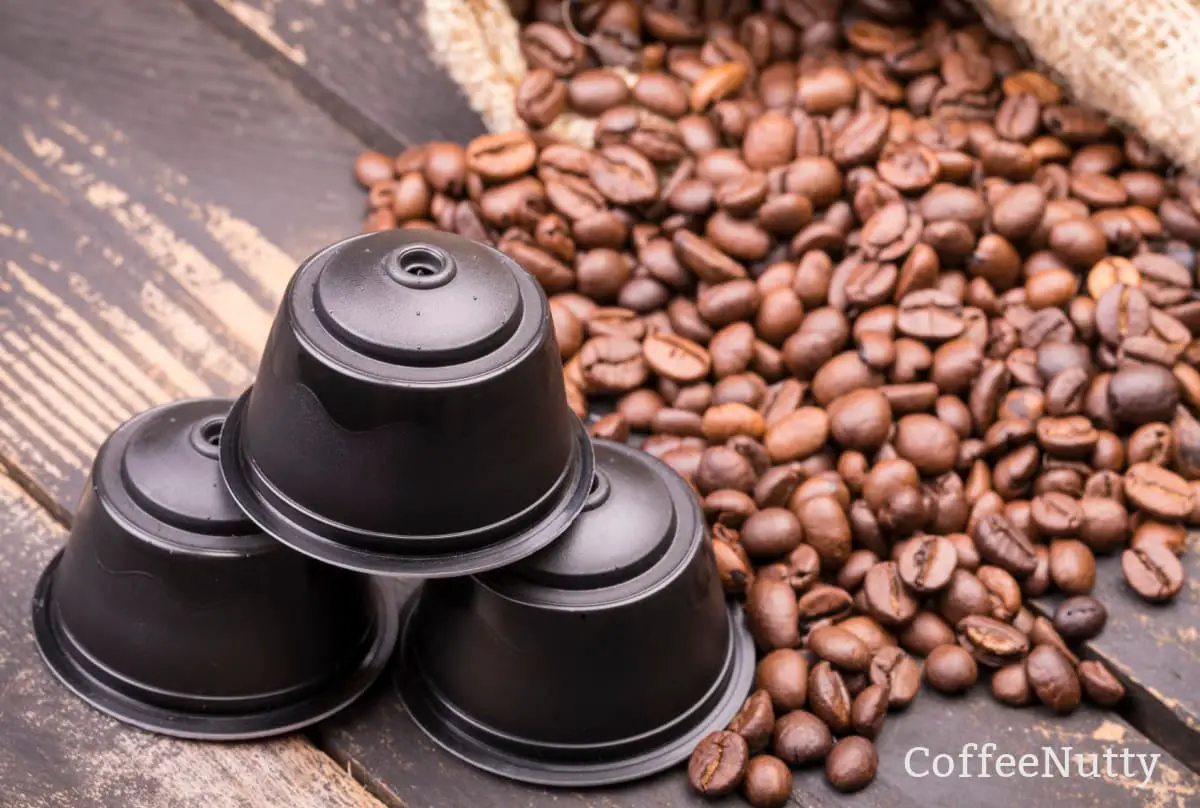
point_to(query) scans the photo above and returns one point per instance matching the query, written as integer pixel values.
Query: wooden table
(164, 165)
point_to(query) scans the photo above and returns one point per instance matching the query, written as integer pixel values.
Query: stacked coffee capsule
(225, 577)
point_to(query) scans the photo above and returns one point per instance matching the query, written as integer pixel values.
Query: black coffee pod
(409, 416)
(604, 658)
(170, 610)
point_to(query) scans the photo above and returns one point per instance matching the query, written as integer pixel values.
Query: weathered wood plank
(377, 739)
(1155, 649)
(58, 752)
(366, 62)
(157, 188)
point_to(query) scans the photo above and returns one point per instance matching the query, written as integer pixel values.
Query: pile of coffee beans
(920, 332)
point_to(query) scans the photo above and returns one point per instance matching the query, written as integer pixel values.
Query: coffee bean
(828, 698)
(899, 672)
(950, 669)
(964, 596)
(823, 602)
(612, 364)
(1001, 543)
(623, 175)
(1153, 572)
(1099, 683)
(851, 764)
(930, 444)
(1158, 491)
(771, 612)
(676, 358)
(1072, 566)
(797, 435)
(887, 600)
(1141, 393)
(927, 563)
(801, 738)
(826, 529)
(1010, 685)
(783, 674)
(768, 782)
(1080, 618)
(718, 764)
(755, 721)
(771, 532)
(1052, 679)
(1057, 514)
(733, 568)
(926, 632)
(992, 642)
(869, 710)
(840, 647)
(930, 314)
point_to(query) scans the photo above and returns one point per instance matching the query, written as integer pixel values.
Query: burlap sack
(1138, 60)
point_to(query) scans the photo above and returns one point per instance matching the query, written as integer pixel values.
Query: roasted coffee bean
(992, 642)
(727, 508)
(1052, 678)
(869, 710)
(725, 421)
(1072, 566)
(1001, 543)
(1153, 572)
(826, 529)
(964, 596)
(897, 671)
(887, 599)
(1141, 393)
(733, 568)
(612, 364)
(771, 532)
(801, 738)
(772, 614)
(767, 783)
(950, 669)
(1160, 492)
(821, 602)
(1099, 683)
(926, 632)
(851, 764)
(718, 764)
(1080, 618)
(828, 698)
(1003, 589)
(1057, 515)
(839, 647)
(927, 563)
(783, 674)
(755, 721)
(1010, 685)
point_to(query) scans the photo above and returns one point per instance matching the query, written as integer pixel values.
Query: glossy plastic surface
(601, 659)
(170, 610)
(408, 417)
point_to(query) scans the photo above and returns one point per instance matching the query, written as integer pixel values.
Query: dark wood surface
(367, 63)
(162, 170)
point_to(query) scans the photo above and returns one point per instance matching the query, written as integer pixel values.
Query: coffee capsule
(409, 415)
(170, 610)
(601, 659)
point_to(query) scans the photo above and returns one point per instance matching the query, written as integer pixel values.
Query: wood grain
(154, 201)
(366, 62)
(58, 752)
